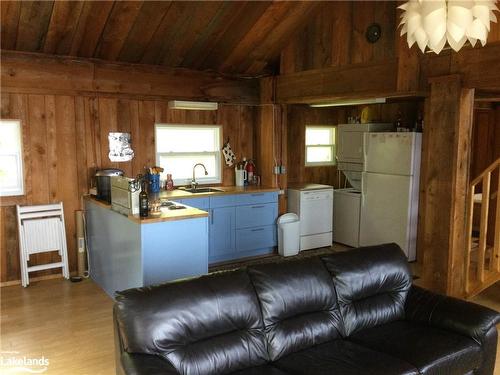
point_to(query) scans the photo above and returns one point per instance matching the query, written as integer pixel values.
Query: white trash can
(288, 235)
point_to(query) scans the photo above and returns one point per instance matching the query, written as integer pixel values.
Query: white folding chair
(41, 229)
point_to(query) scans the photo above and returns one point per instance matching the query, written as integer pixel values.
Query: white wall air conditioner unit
(196, 106)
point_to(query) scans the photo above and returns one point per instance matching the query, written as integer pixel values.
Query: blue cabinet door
(255, 238)
(222, 231)
(256, 215)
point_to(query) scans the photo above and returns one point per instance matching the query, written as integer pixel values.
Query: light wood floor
(71, 325)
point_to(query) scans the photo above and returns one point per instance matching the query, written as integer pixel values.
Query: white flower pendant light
(432, 23)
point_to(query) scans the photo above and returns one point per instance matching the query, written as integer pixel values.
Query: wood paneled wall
(298, 116)
(336, 37)
(485, 137)
(65, 140)
(331, 58)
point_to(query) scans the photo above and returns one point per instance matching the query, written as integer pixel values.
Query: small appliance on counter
(103, 183)
(124, 195)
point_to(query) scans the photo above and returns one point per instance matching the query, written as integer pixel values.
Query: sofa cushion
(144, 364)
(261, 370)
(298, 304)
(341, 357)
(431, 350)
(372, 284)
(209, 325)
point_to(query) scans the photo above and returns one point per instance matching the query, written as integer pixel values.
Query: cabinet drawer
(256, 215)
(201, 203)
(255, 238)
(256, 198)
(223, 201)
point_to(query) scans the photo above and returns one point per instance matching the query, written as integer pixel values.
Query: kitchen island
(129, 251)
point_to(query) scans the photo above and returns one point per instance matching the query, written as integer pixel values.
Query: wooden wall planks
(485, 137)
(65, 140)
(331, 57)
(336, 37)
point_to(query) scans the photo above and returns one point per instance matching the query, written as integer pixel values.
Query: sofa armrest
(145, 364)
(466, 318)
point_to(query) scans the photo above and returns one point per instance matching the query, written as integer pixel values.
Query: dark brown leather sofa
(354, 312)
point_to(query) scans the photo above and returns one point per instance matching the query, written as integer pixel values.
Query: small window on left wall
(11, 159)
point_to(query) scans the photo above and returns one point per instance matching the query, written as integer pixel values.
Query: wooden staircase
(482, 264)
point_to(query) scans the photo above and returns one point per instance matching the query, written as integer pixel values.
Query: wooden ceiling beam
(62, 27)
(118, 25)
(212, 34)
(146, 24)
(39, 73)
(90, 27)
(367, 80)
(9, 20)
(158, 45)
(33, 23)
(273, 42)
(273, 15)
(188, 31)
(235, 33)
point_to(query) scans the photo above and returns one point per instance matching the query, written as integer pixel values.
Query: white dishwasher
(313, 203)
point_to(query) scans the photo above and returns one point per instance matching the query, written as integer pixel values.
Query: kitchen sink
(202, 190)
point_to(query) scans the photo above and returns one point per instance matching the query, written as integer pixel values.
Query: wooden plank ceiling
(232, 37)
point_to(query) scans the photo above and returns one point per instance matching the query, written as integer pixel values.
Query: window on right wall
(320, 145)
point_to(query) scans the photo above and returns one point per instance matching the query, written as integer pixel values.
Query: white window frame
(20, 167)
(333, 146)
(200, 178)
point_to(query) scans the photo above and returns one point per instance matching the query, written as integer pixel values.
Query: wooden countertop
(227, 190)
(166, 214)
(188, 212)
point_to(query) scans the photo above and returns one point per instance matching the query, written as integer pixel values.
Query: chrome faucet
(193, 181)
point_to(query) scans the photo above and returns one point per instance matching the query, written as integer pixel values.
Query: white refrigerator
(390, 190)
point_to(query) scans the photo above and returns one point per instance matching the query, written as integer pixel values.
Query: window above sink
(179, 147)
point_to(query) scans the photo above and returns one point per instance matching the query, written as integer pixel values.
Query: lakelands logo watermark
(14, 363)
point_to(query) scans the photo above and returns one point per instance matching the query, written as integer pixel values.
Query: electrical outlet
(281, 192)
(283, 169)
(276, 169)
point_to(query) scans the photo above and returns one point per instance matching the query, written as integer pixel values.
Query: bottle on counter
(244, 167)
(250, 168)
(143, 201)
(169, 185)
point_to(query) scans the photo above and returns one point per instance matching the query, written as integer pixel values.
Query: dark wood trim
(38, 73)
(443, 185)
(348, 82)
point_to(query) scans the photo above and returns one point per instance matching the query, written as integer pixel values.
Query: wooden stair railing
(480, 274)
